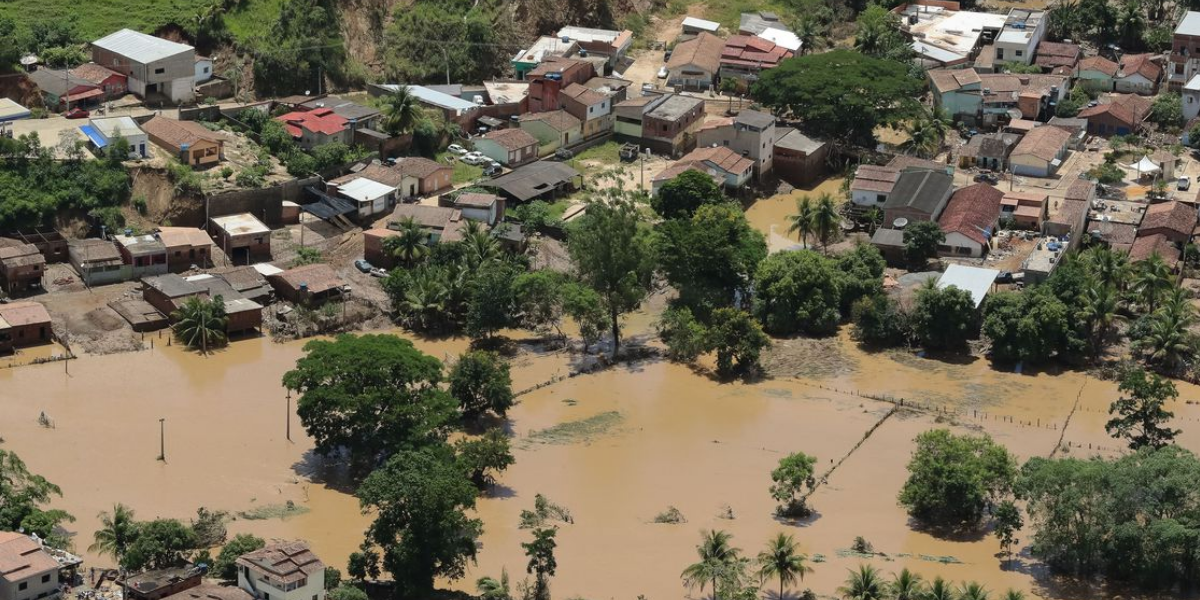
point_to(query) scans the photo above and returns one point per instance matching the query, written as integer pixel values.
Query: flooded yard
(616, 448)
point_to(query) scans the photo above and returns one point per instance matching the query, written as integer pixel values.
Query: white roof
(112, 127)
(938, 54)
(1146, 166)
(957, 31)
(434, 97)
(1190, 24)
(702, 24)
(781, 37)
(364, 190)
(1194, 84)
(241, 224)
(586, 34)
(267, 269)
(543, 46)
(506, 92)
(1014, 36)
(11, 111)
(972, 279)
(139, 46)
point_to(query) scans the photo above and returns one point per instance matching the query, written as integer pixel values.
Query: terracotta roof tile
(704, 51)
(1173, 216)
(1043, 143)
(971, 210)
(284, 562)
(511, 139)
(1140, 64)
(723, 158)
(559, 120)
(177, 134)
(584, 95)
(1099, 64)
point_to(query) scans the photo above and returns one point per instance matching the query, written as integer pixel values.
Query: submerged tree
(795, 472)
(201, 323)
(541, 560)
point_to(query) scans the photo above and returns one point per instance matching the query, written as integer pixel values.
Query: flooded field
(769, 215)
(615, 448)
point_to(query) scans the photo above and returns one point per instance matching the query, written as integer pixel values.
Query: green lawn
(463, 173)
(98, 18)
(729, 12)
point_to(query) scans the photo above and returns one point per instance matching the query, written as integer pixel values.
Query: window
(1020, 53)
(24, 585)
(46, 578)
(880, 198)
(160, 71)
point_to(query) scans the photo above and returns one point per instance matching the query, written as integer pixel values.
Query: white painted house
(1191, 98)
(103, 132)
(372, 197)
(282, 571)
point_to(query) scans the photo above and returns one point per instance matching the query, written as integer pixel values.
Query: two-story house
(1185, 51)
(27, 570)
(751, 134)
(592, 108)
(282, 571)
(153, 65)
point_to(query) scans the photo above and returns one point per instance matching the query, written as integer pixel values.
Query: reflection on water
(681, 440)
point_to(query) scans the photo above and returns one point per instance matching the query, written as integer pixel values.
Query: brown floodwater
(769, 215)
(615, 448)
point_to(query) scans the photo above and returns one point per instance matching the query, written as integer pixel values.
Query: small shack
(160, 583)
(21, 267)
(24, 324)
(373, 250)
(98, 262)
(144, 254)
(242, 237)
(186, 247)
(49, 242)
(309, 284)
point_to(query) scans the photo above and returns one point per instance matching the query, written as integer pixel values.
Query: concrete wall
(264, 203)
(44, 584)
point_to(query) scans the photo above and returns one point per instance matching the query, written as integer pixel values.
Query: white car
(474, 158)
(662, 73)
(456, 149)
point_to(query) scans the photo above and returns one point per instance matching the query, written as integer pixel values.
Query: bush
(879, 320)
(953, 480)
(738, 341)
(347, 592)
(945, 318)
(683, 335)
(225, 566)
(535, 215)
(1107, 173)
(798, 291)
(481, 383)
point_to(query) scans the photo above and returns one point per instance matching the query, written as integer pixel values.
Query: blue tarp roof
(93, 135)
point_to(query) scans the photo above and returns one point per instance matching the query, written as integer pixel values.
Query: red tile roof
(971, 210)
(753, 51)
(1172, 216)
(93, 72)
(20, 556)
(1146, 246)
(1043, 143)
(284, 562)
(1099, 64)
(1055, 54)
(321, 120)
(723, 158)
(1129, 109)
(871, 178)
(583, 95)
(703, 51)
(511, 139)
(1142, 65)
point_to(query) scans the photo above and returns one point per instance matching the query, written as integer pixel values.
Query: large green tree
(738, 341)
(1140, 414)
(371, 395)
(954, 479)
(944, 318)
(159, 544)
(420, 499)
(22, 496)
(225, 566)
(612, 253)
(798, 291)
(305, 47)
(542, 563)
(921, 241)
(711, 257)
(687, 192)
(481, 383)
(842, 94)
(795, 472)
(1032, 326)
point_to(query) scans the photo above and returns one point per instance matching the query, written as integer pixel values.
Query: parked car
(1004, 277)
(1184, 184)
(456, 149)
(564, 154)
(474, 158)
(363, 266)
(647, 87)
(662, 73)
(78, 113)
(492, 169)
(377, 272)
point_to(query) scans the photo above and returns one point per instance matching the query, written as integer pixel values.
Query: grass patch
(253, 19)
(544, 512)
(273, 511)
(576, 431)
(102, 17)
(729, 12)
(606, 152)
(671, 516)
(463, 173)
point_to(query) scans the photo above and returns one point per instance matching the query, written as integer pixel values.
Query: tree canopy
(371, 408)
(687, 192)
(711, 256)
(842, 94)
(954, 479)
(944, 318)
(1139, 415)
(419, 499)
(798, 291)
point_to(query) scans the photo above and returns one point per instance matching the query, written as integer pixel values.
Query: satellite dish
(900, 223)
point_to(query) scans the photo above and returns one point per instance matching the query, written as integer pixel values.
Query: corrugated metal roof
(434, 97)
(702, 24)
(365, 190)
(139, 46)
(972, 279)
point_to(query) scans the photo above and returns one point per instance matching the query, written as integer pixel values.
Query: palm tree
(802, 221)
(864, 584)
(715, 556)
(116, 533)
(927, 133)
(973, 591)
(907, 585)
(826, 220)
(1169, 339)
(401, 112)
(490, 588)
(1012, 594)
(480, 246)
(939, 589)
(1153, 281)
(410, 246)
(1100, 310)
(425, 299)
(201, 323)
(811, 34)
(1111, 268)
(874, 219)
(780, 560)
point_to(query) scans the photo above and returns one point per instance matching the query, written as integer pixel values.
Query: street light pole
(162, 440)
(288, 415)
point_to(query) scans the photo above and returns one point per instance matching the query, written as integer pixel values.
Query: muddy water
(615, 448)
(769, 215)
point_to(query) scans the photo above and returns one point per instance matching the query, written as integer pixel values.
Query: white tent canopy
(1146, 166)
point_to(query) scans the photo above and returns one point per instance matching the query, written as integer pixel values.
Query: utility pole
(162, 440)
(288, 415)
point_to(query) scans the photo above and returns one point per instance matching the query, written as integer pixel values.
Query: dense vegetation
(34, 186)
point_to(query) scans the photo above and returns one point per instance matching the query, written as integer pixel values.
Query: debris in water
(671, 516)
(543, 512)
(273, 511)
(726, 512)
(576, 431)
